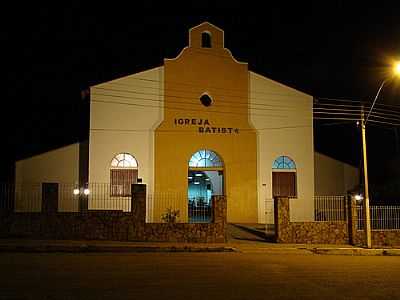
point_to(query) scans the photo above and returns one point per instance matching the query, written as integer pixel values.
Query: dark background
(326, 49)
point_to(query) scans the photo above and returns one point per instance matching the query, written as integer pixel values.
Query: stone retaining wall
(114, 225)
(306, 232)
(319, 232)
(379, 238)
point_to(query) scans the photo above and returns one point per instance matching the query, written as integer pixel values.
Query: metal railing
(28, 197)
(103, 197)
(330, 208)
(382, 217)
(191, 210)
(269, 215)
(199, 210)
(160, 204)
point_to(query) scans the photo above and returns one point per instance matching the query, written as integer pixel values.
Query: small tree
(170, 216)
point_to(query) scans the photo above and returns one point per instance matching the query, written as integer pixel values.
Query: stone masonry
(306, 232)
(341, 232)
(114, 225)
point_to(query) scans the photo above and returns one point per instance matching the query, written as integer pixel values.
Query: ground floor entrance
(203, 184)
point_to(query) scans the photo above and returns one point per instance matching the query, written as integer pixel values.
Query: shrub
(170, 216)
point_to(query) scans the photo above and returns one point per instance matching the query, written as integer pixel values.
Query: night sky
(328, 50)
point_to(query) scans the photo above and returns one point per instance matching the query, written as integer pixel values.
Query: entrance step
(247, 233)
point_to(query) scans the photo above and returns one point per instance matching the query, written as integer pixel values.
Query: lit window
(205, 39)
(204, 159)
(284, 162)
(123, 174)
(124, 160)
(284, 177)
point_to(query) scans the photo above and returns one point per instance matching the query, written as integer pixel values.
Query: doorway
(202, 186)
(205, 180)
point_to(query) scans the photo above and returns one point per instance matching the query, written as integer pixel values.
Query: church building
(200, 125)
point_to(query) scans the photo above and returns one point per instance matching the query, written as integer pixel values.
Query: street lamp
(367, 218)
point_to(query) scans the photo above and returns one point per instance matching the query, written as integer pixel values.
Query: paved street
(197, 276)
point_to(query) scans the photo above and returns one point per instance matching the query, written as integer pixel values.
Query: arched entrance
(205, 180)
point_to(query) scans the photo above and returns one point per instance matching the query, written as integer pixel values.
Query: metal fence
(103, 197)
(269, 215)
(7, 195)
(382, 217)
(161, 205)
(330, 208)
(28, 197)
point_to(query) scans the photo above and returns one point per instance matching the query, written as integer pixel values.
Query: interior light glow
(196, 182)
(198, 174)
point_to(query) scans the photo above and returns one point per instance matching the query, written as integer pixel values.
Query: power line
(225, 112)
(351, 107)
(252, 91)
(176, 107)
(182, 97)
(355, 114)
(354, 107)
(359, 101)
(189, 130)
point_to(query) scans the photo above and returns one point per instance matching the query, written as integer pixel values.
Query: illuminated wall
(223, 127)
(283, 119)
(123, 115)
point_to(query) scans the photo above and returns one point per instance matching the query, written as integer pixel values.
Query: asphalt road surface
(197, 276)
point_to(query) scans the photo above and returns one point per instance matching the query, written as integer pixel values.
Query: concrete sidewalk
(68, 246)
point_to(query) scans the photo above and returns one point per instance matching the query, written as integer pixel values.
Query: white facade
(123, 116)
(283, 119)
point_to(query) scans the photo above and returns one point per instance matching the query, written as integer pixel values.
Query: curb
(356, 251)
(84, 248)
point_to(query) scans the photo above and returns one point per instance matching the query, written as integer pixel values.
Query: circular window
(205, 100)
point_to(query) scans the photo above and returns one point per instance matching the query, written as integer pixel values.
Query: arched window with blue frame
(284, 162)
(284, 179)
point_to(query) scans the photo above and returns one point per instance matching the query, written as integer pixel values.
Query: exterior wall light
(358, 197)
(76, 191)
(396, 68)
(86, 191)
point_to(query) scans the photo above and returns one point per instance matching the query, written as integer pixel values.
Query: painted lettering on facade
(204, 126)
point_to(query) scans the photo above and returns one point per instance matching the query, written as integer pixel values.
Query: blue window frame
(284, 162)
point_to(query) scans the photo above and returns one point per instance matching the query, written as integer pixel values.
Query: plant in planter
(170, 216)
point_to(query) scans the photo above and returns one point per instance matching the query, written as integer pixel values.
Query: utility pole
(367, 217)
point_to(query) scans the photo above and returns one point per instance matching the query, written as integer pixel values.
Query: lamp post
(367, 217)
